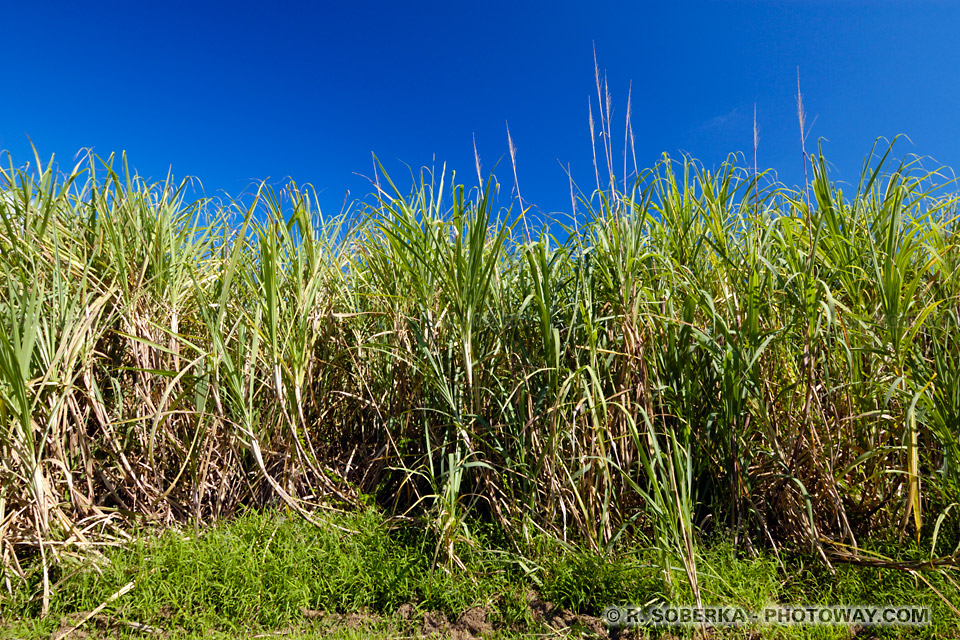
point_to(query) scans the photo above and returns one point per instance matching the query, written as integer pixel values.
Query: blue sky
(245, 91)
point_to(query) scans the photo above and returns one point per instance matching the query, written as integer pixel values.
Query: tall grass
(710, 351)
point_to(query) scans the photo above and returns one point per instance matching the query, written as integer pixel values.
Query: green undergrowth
(263, 572)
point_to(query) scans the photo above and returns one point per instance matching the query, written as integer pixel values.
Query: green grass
(266, 572)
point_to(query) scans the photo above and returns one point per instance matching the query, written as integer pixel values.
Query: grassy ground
(272, 573)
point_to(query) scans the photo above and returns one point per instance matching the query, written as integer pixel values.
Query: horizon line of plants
(707, 351)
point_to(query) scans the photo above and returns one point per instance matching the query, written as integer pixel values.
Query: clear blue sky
(241, 91)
